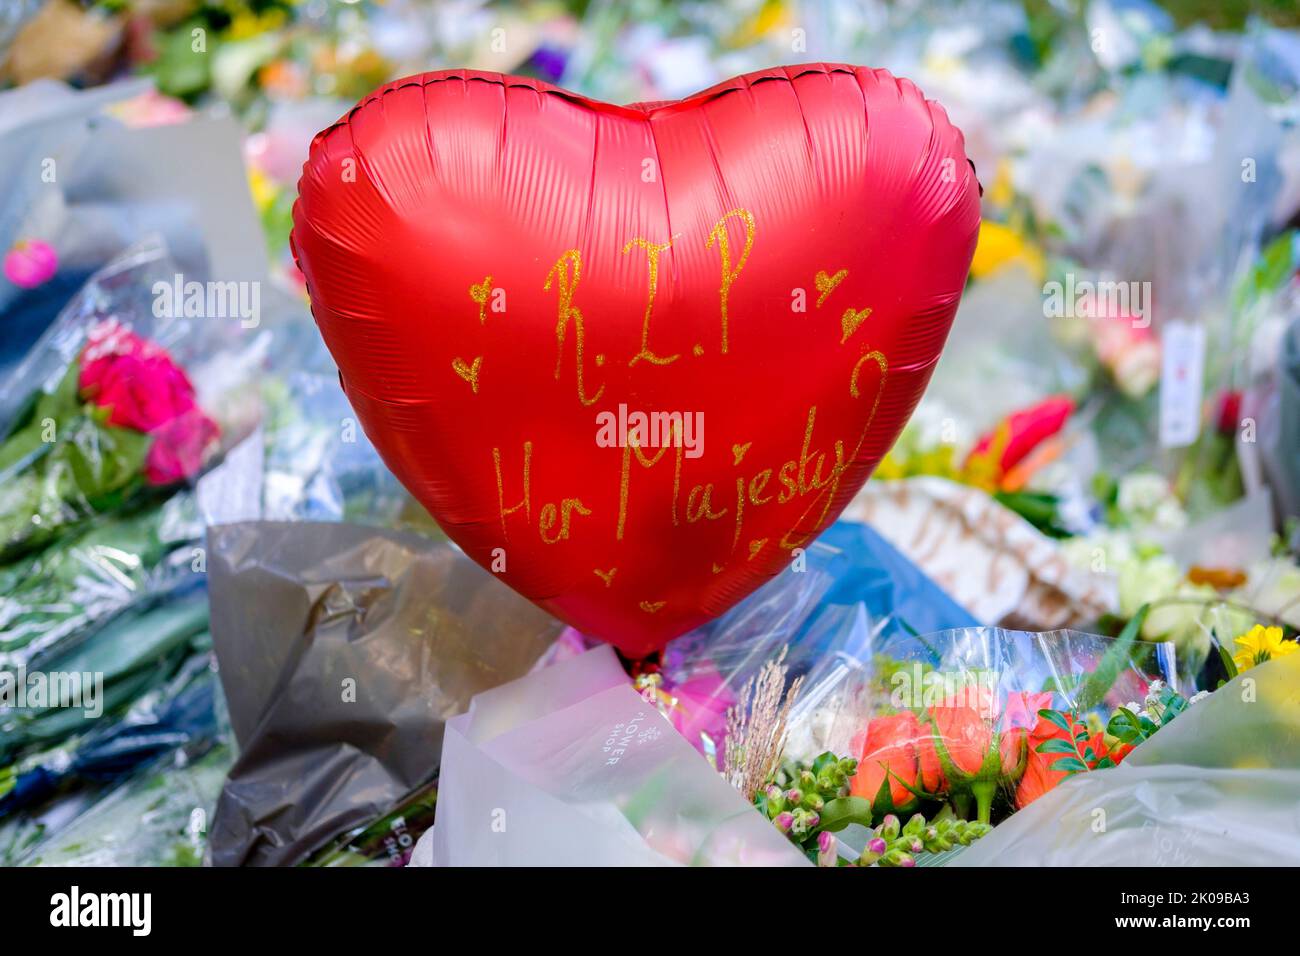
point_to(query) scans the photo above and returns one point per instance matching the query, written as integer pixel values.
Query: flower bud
(876, 848)
(775, 800)
(889, 827)
(826, 852)
(897, 857)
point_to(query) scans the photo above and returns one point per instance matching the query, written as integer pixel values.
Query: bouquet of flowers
(953, 732)
(124, 398)
(123, 420)
(1210, 783)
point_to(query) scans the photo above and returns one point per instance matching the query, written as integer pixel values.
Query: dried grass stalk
(756, 727)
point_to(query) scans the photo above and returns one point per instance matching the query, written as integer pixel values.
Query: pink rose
(1023, 707)
(31, 263)
(1129, 349)
(134, 378)
(176, 452)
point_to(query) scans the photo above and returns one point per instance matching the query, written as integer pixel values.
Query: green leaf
(1062, 684)
(1127, 726)
(1055, 746)
(1057, 718)
(1069, 765)
(1116, 659)
(840, 812)
(823, 761)
(1229, 664)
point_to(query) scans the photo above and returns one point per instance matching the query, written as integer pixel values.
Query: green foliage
(1117, 657)
(898, 845)
(61, 465)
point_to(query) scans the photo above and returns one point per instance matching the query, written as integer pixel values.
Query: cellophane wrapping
(1216, 787)
(569, 766)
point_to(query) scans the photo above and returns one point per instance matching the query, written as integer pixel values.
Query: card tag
(1182, 374)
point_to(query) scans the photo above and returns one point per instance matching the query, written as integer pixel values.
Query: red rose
(1228, 414)
(176, 452)
(135, 379)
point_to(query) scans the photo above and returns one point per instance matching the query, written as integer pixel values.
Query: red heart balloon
(509, 276)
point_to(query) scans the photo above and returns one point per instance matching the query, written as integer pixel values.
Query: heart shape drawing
(634, 359)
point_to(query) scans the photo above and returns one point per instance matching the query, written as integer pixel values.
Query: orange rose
(1040, 777)
(889, 764)
(977, 758)
(964, 726)
(932, 778)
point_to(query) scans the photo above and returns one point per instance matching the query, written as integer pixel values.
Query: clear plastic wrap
(570, 767)
(1217, 787)
(157, 818)
(849, 587)
(954, 717)
(51, 597)
(113, 665)
(118, 403)
(179, 720)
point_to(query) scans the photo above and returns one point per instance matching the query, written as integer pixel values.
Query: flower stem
(984, 791)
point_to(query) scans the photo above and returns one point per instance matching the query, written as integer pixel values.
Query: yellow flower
(1001, 193)
(999, 246)
(247, 24)
(263, 188)
(771, 16)
(1261, 644)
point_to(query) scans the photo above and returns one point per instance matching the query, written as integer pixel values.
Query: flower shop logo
(915, 688)
(208, 300)
(651, 430)
(20, 690)
(74, 908)
(1104, 298)
(626, 734)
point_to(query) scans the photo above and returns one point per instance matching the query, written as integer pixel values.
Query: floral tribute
(123, 419)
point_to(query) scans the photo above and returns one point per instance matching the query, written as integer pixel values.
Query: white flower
(1142, 491)
(1153, 705)
(1146, 499)
(1201, 695)
(1169, 516)
(1144, 581)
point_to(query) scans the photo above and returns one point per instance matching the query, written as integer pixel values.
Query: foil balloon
(634, 359)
